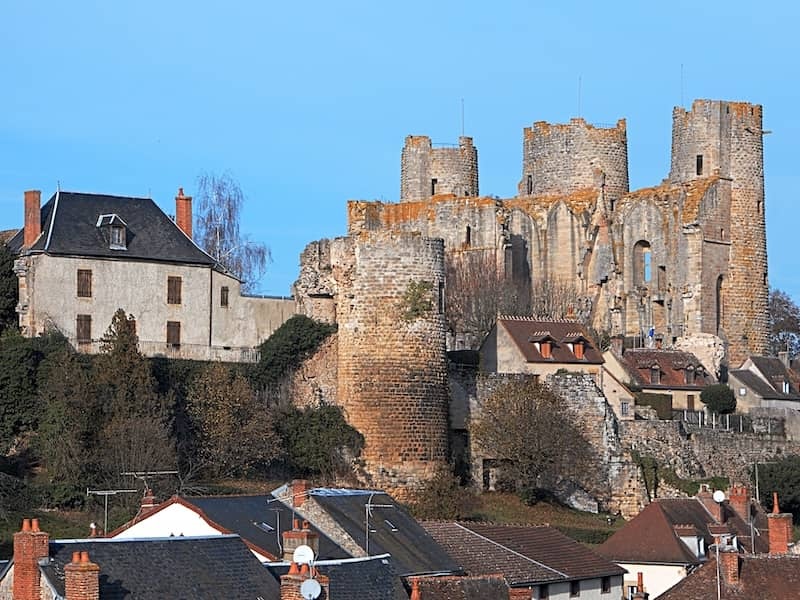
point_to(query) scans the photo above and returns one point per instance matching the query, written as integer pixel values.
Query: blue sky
(307, 104)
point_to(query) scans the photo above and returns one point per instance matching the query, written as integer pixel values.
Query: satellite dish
(719, 496)
(303, 555)
(310, 589)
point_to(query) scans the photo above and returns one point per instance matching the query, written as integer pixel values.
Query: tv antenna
(367, 514)
(143, 475)
(106, 494)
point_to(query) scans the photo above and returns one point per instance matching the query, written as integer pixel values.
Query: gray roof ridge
(499, 545)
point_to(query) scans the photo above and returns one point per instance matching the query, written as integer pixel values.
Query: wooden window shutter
(174, 333)
(173, 290)
(84, 283)
(84, 329)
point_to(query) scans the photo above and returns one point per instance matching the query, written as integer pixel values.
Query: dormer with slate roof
(115, 231)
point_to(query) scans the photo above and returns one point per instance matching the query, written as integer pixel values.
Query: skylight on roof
(264, 526)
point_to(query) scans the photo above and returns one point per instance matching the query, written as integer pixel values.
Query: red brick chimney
(415, 593)
(780, 528)
(148, 502)
(291, 582)
(729, 565)
(519, 594)
(33, 217)
(82, 578)
(299, 535)
(183, 212)
(30, 545)
(299, 491)
(640, 593)
(739, 497)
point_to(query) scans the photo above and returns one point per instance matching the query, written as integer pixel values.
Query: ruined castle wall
(427, 171)
(392, 367)
(560, 159)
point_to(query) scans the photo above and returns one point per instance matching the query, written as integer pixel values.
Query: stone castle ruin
(686, 257)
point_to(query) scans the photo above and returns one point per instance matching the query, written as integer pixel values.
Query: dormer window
(690, 373)
(655, 375)
(786, 389)
(115, 231)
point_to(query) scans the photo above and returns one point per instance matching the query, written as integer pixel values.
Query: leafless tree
(476, 291)
(531, 430)
(217, 229)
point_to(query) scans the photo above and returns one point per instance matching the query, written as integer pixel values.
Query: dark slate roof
(672, 366)
(651, 537)
(483, 587)
(70, 221)
(373, 578)
(761, 576)
(523, 555)
(393, 531)
(176, 568)
(776, 373)
(756, 384)
(243, 514)
(524, 331)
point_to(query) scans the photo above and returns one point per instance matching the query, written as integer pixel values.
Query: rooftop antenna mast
(143, 475)
(106, 494)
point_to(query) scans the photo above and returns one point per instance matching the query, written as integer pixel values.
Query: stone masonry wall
(559, 159)
(455, 170)
(392, 372)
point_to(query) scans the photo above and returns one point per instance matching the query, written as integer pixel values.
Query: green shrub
(719, 398)
(443, 497)
(286, 349)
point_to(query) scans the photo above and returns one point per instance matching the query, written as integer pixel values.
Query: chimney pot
(293, 570)
(304, 569)
(76, 557)
(775, 508)
(26, 524)
(35, 524)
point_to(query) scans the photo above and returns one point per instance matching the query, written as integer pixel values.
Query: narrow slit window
(433, 186)
(530, 184)
(699, 164)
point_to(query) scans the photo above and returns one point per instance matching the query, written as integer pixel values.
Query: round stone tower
(392, 365)
(561, 159)
(725, 139)
(426, 171)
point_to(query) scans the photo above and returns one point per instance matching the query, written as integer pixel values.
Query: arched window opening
(469, 235)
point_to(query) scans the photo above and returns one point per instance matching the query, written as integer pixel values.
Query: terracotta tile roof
(524, 555)
(672, 365)
(653, 536)
(761, 577)
(525, 331)
(484, 587)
